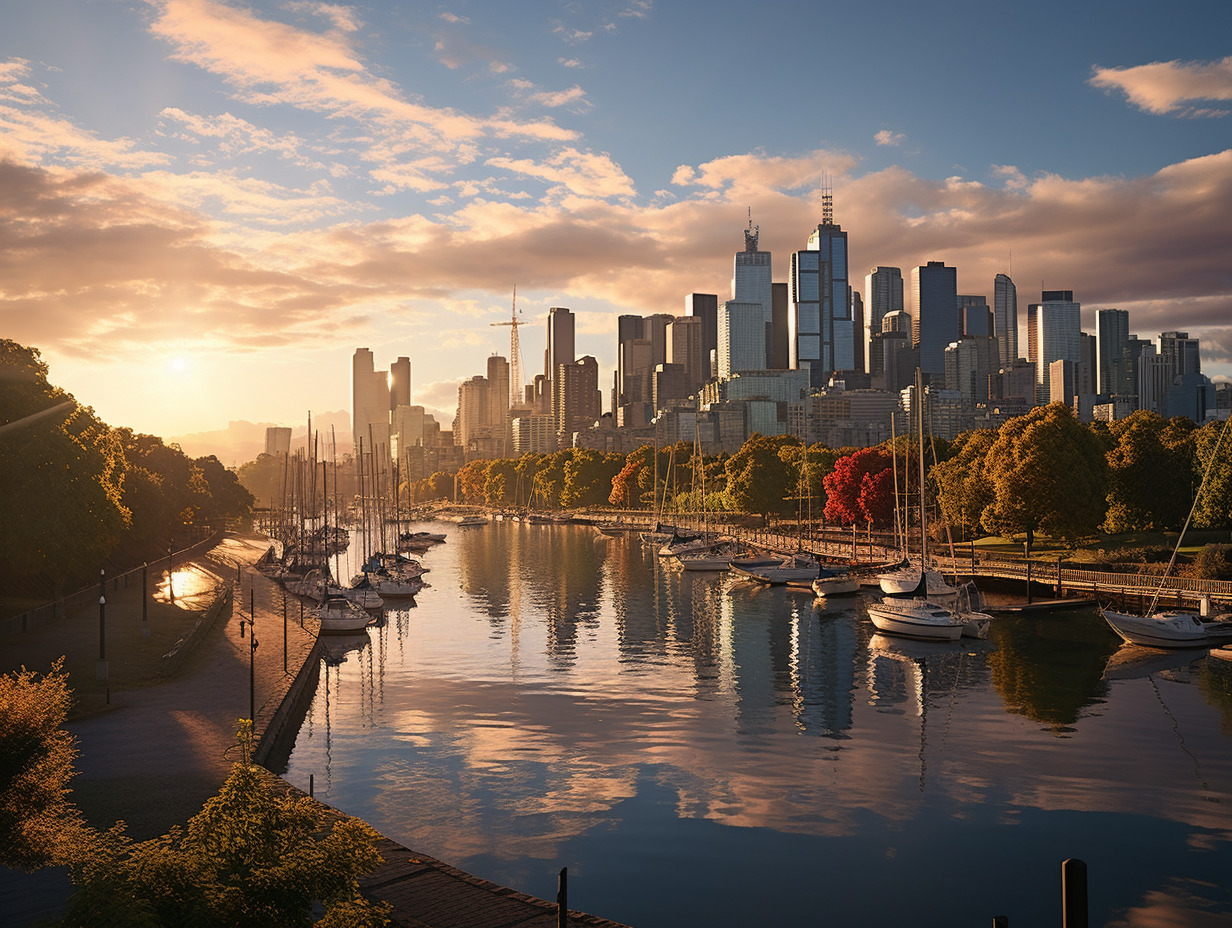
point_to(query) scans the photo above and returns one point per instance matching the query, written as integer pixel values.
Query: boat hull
(1168, 629)
(915, 619)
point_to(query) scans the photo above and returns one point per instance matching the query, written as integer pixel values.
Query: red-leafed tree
(860, 489)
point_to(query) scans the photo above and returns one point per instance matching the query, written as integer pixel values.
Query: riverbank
(156, 736)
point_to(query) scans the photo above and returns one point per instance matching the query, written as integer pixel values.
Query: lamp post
(100, 671)
(252, 679)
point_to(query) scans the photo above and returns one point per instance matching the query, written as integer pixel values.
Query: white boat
(801, 569)
(1174, 629)
(1170, 629)
(836, 583)
(915, 618)
(905, 580)
(340, 616)
(473, 520)
(394, 585)
(693, 544)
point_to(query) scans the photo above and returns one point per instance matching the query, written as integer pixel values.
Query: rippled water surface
(701, 752)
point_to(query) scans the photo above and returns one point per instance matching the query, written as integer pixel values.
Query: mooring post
(1000, 921)
(1073, 893)
(145, 600)
(562, 898)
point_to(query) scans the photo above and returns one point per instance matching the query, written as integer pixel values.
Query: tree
(471, 479)
(1214, 507)
(62, 471)
(758, 479)
(253, 856)
(588, 477)
(501, 484)
(860, 489)
(39, 826)
(1149, 473)
(963, 488)
(1048, 474)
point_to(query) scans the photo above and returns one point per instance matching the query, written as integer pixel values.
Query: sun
(178, 364)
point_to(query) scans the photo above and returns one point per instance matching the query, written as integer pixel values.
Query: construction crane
(515, 353)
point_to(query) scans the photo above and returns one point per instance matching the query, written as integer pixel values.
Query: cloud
(886, 137)
(454, 18)
(574, 97)
(1171, 87)
(570, 63)
(271, 63)
(571, 35)
(583, 173)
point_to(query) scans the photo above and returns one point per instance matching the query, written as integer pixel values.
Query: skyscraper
(883, 293)
(934, 314)
(684, 347)
(1005, 318)
(974, 315)
(751, 283)
(560, 348)
(1054, 330)
(576, 401)
(742, 338)
(705, 306)
(369, 402)
(1115, 366)
(1181, 352)
(821, 332)
(400, 383)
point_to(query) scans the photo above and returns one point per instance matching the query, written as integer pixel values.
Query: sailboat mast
(919, 402)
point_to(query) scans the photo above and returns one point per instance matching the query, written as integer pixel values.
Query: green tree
(758, 479)
(254, 856)
(963, 488)
(1048, 474)
(39, 826)
(62, 471)
(1149, 473)
(588, 477)
(1214, 505)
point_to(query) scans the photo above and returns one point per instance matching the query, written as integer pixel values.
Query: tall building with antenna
(752, 283)
(821, 331)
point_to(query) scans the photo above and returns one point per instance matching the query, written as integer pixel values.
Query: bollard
(1000, 921)
(562, 898)
(284, 634)
(1073, 893)
(310, 776)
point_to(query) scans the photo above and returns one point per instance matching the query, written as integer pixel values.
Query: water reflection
(1049, 667)
(558, 698)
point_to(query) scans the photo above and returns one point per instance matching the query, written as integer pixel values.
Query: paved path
(155, 752)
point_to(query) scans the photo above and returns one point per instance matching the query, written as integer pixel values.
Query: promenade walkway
(156, 737)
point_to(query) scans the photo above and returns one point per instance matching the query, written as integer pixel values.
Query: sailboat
(929, 607)
(1174, 629)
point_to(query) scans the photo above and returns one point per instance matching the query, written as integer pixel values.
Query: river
(698, 751)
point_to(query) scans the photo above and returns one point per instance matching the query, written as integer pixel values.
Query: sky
(206, 206)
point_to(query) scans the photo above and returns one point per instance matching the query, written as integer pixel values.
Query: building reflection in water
(557, 697)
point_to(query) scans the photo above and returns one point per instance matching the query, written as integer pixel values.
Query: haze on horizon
(206, 206)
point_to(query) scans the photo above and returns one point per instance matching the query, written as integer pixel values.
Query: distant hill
(243, 441)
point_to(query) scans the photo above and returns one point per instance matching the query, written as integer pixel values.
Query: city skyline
(207, 205)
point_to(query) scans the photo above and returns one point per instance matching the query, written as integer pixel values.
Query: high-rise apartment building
(1054, 330)
(1115, 365)
(751, 283)
(576, 400)
(780, 356)
(934, 313)
(1005, 318)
